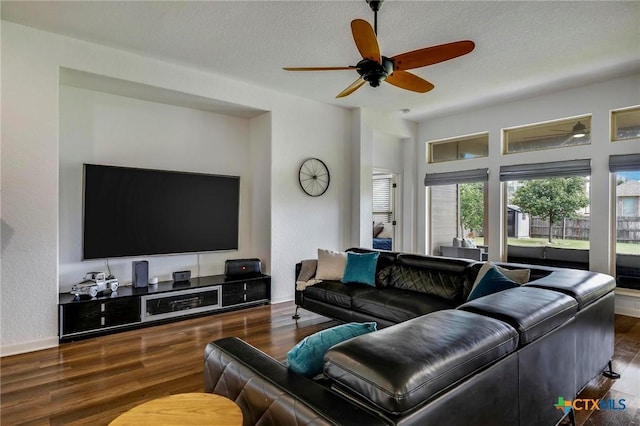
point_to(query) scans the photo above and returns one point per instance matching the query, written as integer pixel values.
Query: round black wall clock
(314, 177)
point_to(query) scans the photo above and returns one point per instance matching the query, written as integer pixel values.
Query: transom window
(459, 148)
(625, 124)
(555, 134)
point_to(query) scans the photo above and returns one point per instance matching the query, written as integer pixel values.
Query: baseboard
(628, 302)
(32, 346)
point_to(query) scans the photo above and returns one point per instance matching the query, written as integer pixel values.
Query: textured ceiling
(522, 48)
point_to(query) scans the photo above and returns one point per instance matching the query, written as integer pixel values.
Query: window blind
(624, 163)
(382, 199)
(546, 170)
(452, 178)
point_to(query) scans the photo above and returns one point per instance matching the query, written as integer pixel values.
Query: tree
(472, 206)
(552, 199)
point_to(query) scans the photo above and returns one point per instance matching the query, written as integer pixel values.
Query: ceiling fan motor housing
(373, 72)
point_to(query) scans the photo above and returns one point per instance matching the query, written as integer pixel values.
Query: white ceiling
(523, 48)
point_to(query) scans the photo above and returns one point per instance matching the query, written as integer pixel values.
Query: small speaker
(181, 276)
(140, 273)
(242, 267)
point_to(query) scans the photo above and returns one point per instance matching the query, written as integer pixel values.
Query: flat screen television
(134, 212)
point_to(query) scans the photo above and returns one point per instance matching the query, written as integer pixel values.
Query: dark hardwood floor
(93, 381)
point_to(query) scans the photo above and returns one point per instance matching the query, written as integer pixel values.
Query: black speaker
(140, 273)
(242, 267)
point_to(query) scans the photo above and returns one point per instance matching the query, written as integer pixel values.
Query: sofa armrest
(267, 392)
(462, 252)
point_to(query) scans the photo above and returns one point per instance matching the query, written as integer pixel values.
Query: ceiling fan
(578, 131)
(375, 68)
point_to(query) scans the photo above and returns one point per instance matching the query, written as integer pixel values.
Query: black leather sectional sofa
(502, 359)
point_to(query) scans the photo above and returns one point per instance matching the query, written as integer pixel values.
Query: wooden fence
(578, 229)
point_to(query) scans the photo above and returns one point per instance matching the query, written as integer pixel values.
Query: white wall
(101, 128)
(301, 224)
(388, 157)
(383, 141)
(596, 99)
(387, 152)
(286, 224)
(260, 165)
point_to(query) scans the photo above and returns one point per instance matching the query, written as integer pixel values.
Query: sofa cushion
(520, 276)
(446, 278)
(532, 311)
(398, 305)
(493, 281)
(306, 357)
(377, 229)
(330, 264)
(383, 267)
(584, 286)
(361, 268)
(408, 364)
(336, 292)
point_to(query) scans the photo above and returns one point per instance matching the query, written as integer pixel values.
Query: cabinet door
(233, 294)
(121, 311)
(245, 292)
(256, 290)
(80, 317)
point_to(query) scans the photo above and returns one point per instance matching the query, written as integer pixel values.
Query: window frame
(457, 178)
(482, 136)
(542, 126)
(613, 122)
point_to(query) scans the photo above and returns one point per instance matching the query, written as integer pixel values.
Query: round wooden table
(183, 409)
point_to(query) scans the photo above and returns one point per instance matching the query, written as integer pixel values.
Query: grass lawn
(623, 248)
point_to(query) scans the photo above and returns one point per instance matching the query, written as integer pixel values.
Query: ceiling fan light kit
(579, 130)
(375, 68)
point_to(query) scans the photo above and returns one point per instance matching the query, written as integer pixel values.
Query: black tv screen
(134, 212)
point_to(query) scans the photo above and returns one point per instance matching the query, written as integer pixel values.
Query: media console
(131, 307)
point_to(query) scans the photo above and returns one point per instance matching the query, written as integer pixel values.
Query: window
(457, 206)
(555, 134)
(629, 204)
(384, 224)
(460, 148)
(625, 124)
(382, 198)
(626, 170)
(547, 215)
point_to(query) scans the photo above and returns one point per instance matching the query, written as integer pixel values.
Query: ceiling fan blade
(366, 40)
(352, 88)
(408, 81)
(431, 55)
(350, 67)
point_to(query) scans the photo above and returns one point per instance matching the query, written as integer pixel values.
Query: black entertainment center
(132, 307)
(130, 212)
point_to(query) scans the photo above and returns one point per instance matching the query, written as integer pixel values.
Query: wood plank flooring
(93, 381)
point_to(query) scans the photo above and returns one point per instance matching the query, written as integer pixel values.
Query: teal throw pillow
(307, 356)
(361, 268)
(492, 282)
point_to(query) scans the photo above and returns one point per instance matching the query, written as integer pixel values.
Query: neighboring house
(628, 198)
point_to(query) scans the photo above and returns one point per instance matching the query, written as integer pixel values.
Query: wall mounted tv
(134, 212)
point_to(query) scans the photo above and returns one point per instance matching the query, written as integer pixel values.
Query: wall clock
(314, 177)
